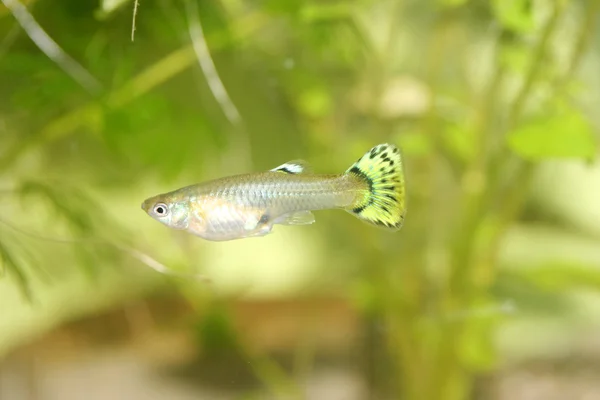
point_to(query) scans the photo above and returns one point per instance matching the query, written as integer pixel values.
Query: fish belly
(230, 221)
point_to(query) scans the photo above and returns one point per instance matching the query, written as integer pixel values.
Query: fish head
(169, 209)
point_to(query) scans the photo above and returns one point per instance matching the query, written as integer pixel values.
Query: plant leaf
(460, 141)
(567, 135)
(416, 143)
(515, 15)
(107, 7)
(12, 264)
(452, 3)
(560, 277)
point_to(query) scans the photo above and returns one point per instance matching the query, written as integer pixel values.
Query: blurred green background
(490, 291)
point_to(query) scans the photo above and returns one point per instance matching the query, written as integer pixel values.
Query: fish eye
(161, 209)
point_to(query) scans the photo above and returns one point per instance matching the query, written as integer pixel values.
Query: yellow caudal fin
(385, 203)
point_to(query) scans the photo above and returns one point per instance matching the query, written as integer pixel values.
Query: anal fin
(297, 218)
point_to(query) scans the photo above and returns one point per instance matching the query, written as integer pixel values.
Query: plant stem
(153, 76)
(466, 284)
(519, 189)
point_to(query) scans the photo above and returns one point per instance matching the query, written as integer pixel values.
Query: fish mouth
(146, 205)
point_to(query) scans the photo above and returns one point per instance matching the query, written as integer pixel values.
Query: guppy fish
(249, 205)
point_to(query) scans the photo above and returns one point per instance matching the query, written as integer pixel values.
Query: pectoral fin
(257, 227)
(297, 218)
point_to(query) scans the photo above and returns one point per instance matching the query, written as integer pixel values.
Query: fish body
(250, 205)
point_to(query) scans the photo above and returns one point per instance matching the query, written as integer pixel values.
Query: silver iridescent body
(249, 205)
(241, 206)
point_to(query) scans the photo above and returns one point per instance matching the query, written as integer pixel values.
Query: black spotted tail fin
(385, 203)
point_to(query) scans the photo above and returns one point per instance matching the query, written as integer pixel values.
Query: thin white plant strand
(207, 65)
(135, 10)
(49, 47)
(134, 253)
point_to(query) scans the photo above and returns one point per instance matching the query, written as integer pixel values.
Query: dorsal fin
(293, 167)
